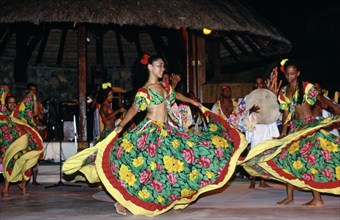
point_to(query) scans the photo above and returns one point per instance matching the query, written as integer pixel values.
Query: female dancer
(306, 155)
(157, 166)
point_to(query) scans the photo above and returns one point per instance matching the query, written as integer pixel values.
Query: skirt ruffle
(308, 158)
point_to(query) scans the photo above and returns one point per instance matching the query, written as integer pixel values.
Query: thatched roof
(223, 15)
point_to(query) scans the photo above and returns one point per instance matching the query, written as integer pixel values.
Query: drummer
(263, 129)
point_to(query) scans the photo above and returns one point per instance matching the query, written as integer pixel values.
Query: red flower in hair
(145, 59)
(282, 68)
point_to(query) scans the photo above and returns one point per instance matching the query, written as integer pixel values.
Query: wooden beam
(251, 44)
(238, 43)
(159, 44)
(82, 62)
(5, 38)
(61, 46)
(42, 45)
(138, 45)
(120, 46)
(229, 48)
(20, 60)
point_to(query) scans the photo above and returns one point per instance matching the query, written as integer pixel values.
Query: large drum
(267, 101)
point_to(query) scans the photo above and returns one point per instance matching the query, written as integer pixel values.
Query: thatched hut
(100, 40)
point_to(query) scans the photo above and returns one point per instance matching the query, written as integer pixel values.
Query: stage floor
(234, 201)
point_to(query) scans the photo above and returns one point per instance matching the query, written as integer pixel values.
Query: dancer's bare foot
(264, 185)
(314, 203)
(252, 183)
(286, 201)
(120, 209)
(36, 184)
(5, 195)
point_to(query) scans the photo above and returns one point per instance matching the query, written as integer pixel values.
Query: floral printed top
(309, 97)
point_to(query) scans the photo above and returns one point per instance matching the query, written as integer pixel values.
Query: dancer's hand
(118, 129)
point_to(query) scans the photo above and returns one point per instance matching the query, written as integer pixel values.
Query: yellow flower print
(173, 165)
(294, 147)
(138, 161)
(297, 164)
(175, 144)
(209, 174)
(160, 199)
(219, 142)
(164, 133)
(143, 106)
(190, 143)
(212, 127)
(22, 107)
(126, 175)
(187, 192)
(153, 165)
(193, 175)
(313, 171)
(144, 194)
(127, 145)
(328, 145)
(337, 172)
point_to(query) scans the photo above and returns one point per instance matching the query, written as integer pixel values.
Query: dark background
(313, 28)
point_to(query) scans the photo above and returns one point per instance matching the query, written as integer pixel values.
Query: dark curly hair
(102, 94)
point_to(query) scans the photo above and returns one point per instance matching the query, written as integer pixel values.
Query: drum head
(267, 101)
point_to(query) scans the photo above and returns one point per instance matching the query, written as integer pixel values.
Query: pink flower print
(4, 129)
(169, 130)
(227, 136)
(144, 176)
(119, 152)
(189, 156)
(114, 167)
(30, 113)
(326, 155)
(3, 108)
(306, 148)
(312, 93)
(327, 173)
(204, 161)
(283, 154)
(151, 150)
(122, 183)
(205, 143)
(219, 152)
(173, 197)
(141, 141)
(311, 159)
(183, 134)
(157, 185)
(3, 148)
(307, 176)
(172, 177)
(317, 143)
(8, 137)
(159, 167)
(159, 141)
(220, 170)
(204, 183)
(28, 99)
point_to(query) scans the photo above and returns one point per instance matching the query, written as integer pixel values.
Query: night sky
(313, 28)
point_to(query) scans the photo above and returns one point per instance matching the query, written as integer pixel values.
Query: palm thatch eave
(221, 15)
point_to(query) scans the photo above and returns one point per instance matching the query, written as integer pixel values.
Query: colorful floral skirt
(156, 167)
(307, 158)
(21, 147)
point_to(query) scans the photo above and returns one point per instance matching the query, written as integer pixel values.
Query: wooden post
(200, 69)
(82, 85)
(197, 75)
